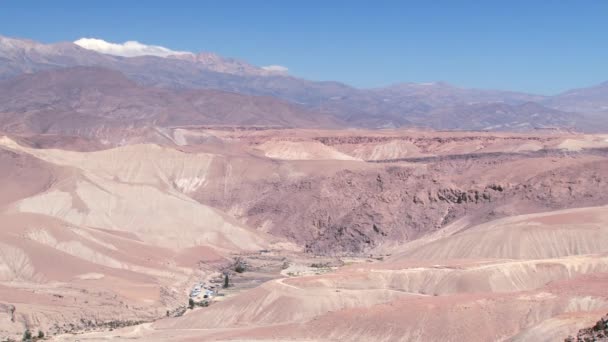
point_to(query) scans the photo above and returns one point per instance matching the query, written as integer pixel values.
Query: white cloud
(276, 68)
(126, 49)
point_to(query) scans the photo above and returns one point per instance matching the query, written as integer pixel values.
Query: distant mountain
(444, 94)
(83, 100)
(217, 63)
(25, 56)
(499, 117)
(179, 71)
(584, 100)
(435, 105)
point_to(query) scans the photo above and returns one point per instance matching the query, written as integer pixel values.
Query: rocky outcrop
(597, 333)
(354, 210)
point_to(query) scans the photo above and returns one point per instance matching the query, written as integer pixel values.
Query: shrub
(226, 281)
(40, 334)
(27, 335)
(239, 265)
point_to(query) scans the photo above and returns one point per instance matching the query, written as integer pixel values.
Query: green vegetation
(192, 304)
(226, 281)
(239, 265)
(27, 335)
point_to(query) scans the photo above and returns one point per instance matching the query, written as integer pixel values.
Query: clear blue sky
(535, 46)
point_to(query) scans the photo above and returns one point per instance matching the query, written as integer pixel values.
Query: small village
(202, 294)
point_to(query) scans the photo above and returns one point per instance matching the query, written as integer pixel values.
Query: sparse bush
(179, 312)
(226, 281)
(40, 334)
(27, 335)
(191, 303)
(239, 265)
(11, 310)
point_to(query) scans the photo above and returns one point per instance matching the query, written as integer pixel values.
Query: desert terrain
(342, 235)
(149, 194)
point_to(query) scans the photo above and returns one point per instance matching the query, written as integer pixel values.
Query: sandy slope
(139, 189)
(92, 237)
(535, 236)
(22, 175)
(541, 297)
(305, 150)
(141, 164)
(53, 272)
(117, 234)
(145, 211)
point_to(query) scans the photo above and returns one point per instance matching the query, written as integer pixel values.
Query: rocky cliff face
(355, 207)
(597, 333)
(397, 204)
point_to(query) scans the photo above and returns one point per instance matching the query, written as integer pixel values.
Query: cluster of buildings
(201, 289)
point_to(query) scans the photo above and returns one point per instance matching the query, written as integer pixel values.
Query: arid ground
(321, 235)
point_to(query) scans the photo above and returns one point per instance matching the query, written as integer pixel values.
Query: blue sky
(534, 46)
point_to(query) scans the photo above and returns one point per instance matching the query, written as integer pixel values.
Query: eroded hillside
(439, 230)
(354, 193)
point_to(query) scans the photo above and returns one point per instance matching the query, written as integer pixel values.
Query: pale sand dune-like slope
(466, 276)
(535, 236)
(392, 149)
(301, 150)
(298, 300)
(53, 272)
(155, 216)
(486, 298)
(130, 189)
(93, 237)
(476, 317)
(22, 175)
(589, 141)
(556, 328)
(279, 302)
(139, 164)
(314, 314)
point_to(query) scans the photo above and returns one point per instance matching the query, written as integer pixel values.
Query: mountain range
(84, 100)
(149, 194)
(295, 102)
